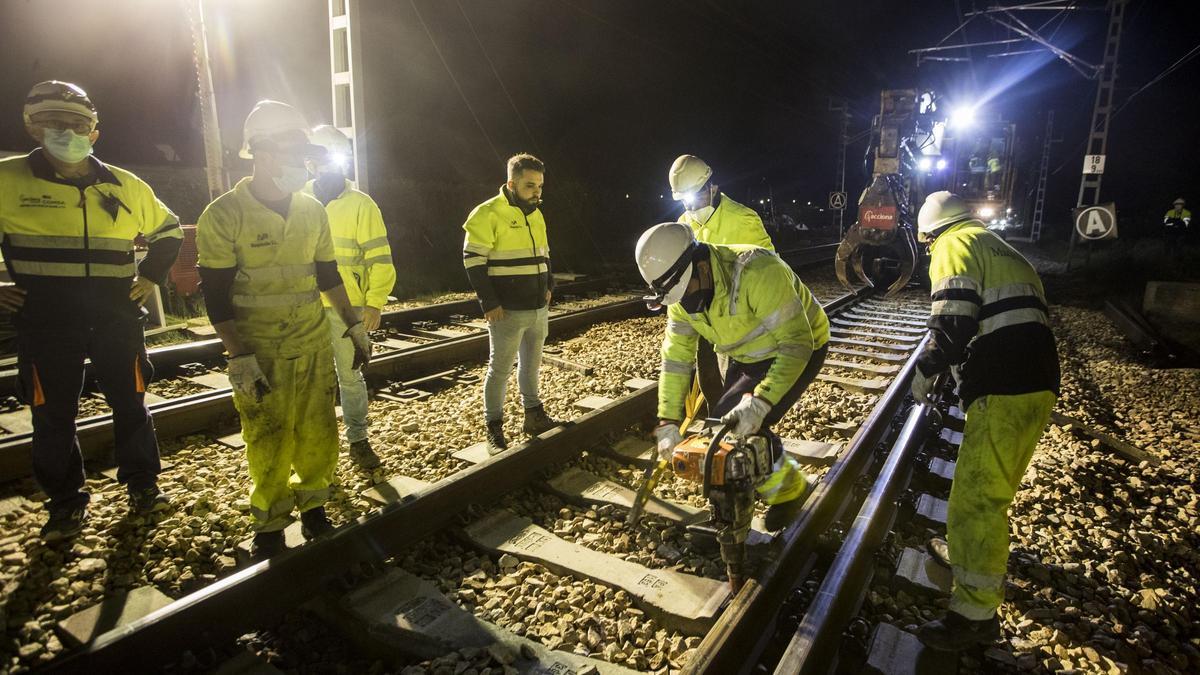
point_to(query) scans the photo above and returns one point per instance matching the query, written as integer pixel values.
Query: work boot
(939, 550)
(64, 524)
(363, 455)
(781, 515)
(314, 523)
(267, 544)
(147, 501)
(538, 422)
(955, 632)
(495, 437)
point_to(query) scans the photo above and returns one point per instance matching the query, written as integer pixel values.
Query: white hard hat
(56, 96)
(272, 119)
(1179, 201)
(940, 210)
(688, 174)
(664, 257)
(334, 141)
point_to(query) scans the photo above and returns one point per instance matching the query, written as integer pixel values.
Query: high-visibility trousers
(999, 438)
(291, 438)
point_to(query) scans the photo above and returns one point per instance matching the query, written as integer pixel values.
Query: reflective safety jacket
(989, 314)
(276, 302)
(360, 243)
(760, 310)
(1178, 218)
(69, 243)
(506, 255)
(730, 223)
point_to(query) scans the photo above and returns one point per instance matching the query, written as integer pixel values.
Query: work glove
(667, 436)
(362, 344)
(922, 385)
(747, 416)
(247, 378)
(956, 373)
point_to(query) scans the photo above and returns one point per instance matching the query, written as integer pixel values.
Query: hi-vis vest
(760, 310)
(71, 248)
(277, 307)
(360, 243)
(730, 224)
(506, 255)
(988, 297)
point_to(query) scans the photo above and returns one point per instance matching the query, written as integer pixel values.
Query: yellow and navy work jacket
(360, 243)
(272, 265)
(1178, 219)
(506, 255)
(760, 310)
(68, 243)
(989, 314)
(731, 223)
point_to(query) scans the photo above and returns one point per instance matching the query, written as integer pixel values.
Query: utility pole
(345, 63)
(213, 152)
(843, 140)
(1097, 143)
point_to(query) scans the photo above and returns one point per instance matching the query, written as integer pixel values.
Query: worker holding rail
(990, 322)
(67, 227)
(364, 260)
(714, 219)
(748, 303)
(266, 257)
(507, 258)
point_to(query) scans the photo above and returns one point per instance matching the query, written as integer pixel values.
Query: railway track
(415, 510)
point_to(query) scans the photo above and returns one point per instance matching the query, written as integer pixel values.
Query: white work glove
(921, 386)
(362, 344)
(747, 416)
(667, 437)
(247, 378)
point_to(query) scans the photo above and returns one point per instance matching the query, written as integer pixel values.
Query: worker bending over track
(989, 319)
(265, 257)
(364, 260)
(751, 306)
(714, 219)
(67, 226)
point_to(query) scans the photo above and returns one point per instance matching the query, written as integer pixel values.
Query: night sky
(608, 91)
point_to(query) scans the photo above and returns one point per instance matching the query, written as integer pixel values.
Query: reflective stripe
(275, 299)
(755, 333)
(54, 241)
(276, 273)
(378, 260)
(955, 282)
(517, 270)
(60, 269)
(169, 229)
(761, 353)
(345, 242)
(954, 308)
(1010, 291)
(795, 351)
(680, 327)
(348, 261)
(373, 243)
(676, 367)
(477, 249)
(783, 314)
(518, 253)
(977, 579)
(1011, 318)
(474, 261)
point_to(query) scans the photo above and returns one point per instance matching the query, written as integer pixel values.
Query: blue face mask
(66, 145)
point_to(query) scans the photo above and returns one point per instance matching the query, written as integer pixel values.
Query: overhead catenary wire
(454, 79)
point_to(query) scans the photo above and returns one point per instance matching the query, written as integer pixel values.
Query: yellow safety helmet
(688, 174)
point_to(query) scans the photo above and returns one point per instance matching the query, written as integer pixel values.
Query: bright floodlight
(941, 164)
(962, 118)
(688, 199)
(986, 212)
(925, 164)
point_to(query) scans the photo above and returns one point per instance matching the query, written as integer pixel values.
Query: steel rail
(814, 646)
(736, 641)
(228, 608)
(214, 410)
